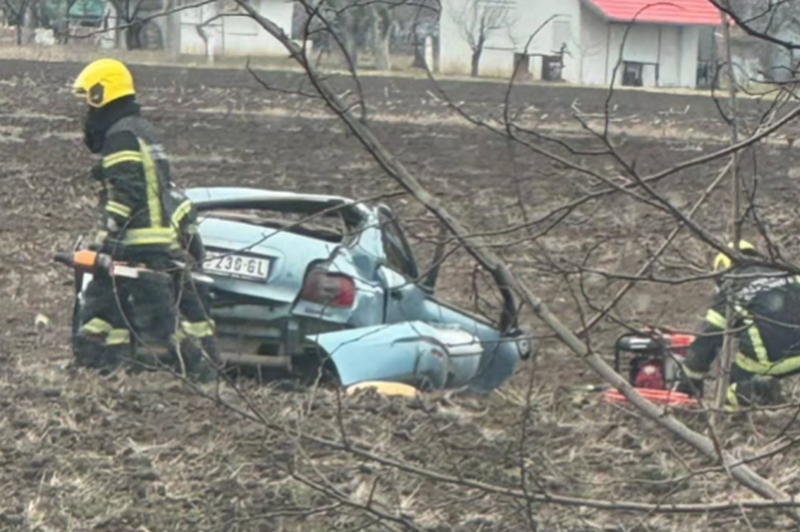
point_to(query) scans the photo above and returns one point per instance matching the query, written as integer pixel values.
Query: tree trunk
(381, 47)
(67, 7)
(380, 41)
(209, 52)
(70, 4)
(350, 49)
(19, 21)
(419, 55)
(347, 33)
(30, 21)
(133, 36)
(729, 346)
(476, 62)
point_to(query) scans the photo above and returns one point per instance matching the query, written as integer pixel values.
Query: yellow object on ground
(385, 388)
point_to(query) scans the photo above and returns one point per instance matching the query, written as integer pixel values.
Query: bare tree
(356, 25)
(67, 7)
(607, 183)
(477, 21)
(625, 180)
(18, 13)
(381, 34)
(134, 19)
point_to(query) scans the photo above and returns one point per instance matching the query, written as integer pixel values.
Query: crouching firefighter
(196, 335)
(135, 223)
(765, 305)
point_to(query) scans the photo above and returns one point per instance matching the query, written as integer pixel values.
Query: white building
(232, 35)
(667, 45)
(216, 28)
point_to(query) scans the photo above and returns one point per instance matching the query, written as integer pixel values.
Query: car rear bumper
(248, 341)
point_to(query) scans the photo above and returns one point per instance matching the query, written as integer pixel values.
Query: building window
(632, 74)
(637, 74)
(706, 74)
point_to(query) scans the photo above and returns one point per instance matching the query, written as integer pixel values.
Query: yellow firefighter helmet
(723, 262)
(104, 81)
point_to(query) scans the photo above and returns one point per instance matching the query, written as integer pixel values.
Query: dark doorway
(552, 65)
(706, 74)
(632, 74)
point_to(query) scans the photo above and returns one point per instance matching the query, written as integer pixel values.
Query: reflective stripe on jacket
(136, 173)
(765, 305)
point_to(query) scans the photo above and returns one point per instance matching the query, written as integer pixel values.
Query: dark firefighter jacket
(135, 172)
(184, 221)
(766, 317)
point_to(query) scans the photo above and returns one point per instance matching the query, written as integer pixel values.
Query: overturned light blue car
(310, 282)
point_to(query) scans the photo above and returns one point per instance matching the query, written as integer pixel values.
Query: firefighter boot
(192, 362)
(212, 352)
(766, 390)
(756, 391)
(93, 353)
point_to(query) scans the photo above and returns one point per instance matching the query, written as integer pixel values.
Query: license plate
(233, 265)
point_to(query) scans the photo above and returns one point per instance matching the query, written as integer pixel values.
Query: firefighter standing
(766, 308)
(135, 223)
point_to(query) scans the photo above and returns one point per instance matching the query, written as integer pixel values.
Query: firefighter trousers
(116, 310)
(195, 339)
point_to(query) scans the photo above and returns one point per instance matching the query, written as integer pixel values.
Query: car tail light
(330, 289)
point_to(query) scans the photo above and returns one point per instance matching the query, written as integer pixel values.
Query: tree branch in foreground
(507, 281)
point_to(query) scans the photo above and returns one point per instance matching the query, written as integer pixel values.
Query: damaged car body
(308, 281)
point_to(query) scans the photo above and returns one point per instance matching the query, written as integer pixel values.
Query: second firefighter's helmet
(723, 262)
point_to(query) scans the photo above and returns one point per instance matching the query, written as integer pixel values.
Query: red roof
(683, 12)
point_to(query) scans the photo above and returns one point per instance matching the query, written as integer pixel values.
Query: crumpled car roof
(206, 198)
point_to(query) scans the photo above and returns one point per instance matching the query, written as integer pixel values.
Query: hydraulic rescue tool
(95, 263)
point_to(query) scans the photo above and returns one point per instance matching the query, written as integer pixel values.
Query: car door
(407, 301)
(404, 299)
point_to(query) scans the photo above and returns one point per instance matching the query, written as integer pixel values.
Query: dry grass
(143, 453)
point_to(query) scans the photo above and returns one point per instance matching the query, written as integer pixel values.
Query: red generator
(651, 358)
